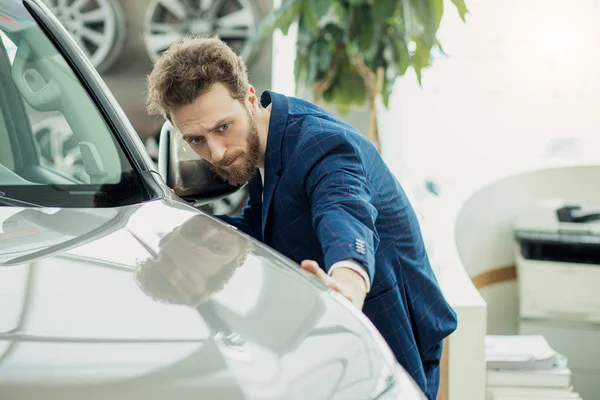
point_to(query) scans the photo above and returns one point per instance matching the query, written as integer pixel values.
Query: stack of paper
(526, 367)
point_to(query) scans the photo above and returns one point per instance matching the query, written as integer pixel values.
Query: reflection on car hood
(160, 301)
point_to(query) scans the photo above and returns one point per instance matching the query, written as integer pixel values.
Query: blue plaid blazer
(329, 196)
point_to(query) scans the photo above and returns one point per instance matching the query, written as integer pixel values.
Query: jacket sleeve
(243, 221)
(343, 215)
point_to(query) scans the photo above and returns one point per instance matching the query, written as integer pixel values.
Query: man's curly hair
(189, 68)
(155, 285)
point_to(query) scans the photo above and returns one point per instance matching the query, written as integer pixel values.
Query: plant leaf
(348, 25)
(379, 30)
(462, 8)
(437, 10)
(286, 15)
(335, 15)
(280, 18)
(309, 19)
(403, 59)
(347, 89)
(363, 28)
(421, 58)
(375, 50)
(439, 45)
(383, 10)
(320, 7)
(406, 18)
(313, 70)
(334, 33)
(300, 73)
(399, 51)
(322, 52)
(319, 59)
(425, 19)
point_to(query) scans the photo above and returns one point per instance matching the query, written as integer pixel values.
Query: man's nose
(217, 149)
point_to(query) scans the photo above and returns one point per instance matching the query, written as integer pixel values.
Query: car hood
(158, 300)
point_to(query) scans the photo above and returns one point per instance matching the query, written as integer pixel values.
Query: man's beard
(240, 174)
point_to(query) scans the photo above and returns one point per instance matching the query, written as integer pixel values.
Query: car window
(56, 148)
(56, 145)
(11, 48)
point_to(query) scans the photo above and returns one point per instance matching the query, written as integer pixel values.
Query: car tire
(98, 27)
(167, 21)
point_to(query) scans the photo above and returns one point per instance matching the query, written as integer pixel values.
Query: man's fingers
(347, 289)
(313, 268)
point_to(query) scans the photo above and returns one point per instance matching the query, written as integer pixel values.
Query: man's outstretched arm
(342, 213)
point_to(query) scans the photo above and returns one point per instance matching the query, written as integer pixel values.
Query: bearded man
(320, 193)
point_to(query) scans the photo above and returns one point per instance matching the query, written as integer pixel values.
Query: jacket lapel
(277, 126)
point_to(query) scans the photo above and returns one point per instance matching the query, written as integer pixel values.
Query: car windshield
(56, 148)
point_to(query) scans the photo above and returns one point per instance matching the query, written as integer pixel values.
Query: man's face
(213, 249)
(223, 132)
(198, 256)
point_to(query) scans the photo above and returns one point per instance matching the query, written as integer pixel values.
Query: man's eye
(223, 127)
(196, 140)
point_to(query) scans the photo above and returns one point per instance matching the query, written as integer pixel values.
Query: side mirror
(186, 173)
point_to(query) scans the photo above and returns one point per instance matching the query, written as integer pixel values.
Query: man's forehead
(204, 120)
(209, 109)
(210, 121)
(217, 96)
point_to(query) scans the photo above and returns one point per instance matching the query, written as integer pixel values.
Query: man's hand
(343, 280)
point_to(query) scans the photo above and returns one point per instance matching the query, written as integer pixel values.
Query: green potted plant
(350, 52)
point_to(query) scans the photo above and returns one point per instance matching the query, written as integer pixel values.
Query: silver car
(114, 287)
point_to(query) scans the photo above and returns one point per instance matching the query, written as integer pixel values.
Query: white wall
(518, 74)
(284, 55)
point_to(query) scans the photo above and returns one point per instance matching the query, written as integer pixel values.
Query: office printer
(557, 254)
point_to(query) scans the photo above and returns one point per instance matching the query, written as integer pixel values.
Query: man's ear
(241, 259)
(252, 99)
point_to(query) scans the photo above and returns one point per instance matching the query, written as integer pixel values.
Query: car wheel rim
(167, 21)
(96, 25)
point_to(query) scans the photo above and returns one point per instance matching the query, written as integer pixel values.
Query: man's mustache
(226, 160)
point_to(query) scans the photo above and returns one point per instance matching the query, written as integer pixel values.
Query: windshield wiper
(9, 201)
